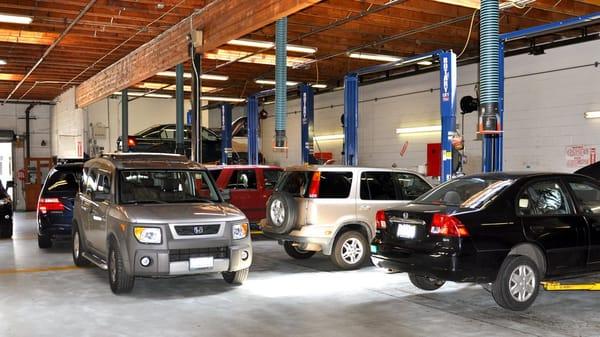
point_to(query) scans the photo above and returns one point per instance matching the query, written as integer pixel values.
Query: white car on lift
(332, 209)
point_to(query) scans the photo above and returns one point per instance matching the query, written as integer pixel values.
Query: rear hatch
(58, 195)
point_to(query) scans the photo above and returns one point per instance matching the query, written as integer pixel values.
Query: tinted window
(295, 183)
(242, 179)
(410, 186)
(465, 192)
(335, 185)
(62, 181)
(377, 186)
(271, 178)
(215, 174)
(543, 198)
(587, 195)
(90, 184)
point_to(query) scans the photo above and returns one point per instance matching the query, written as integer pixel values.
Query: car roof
(519, 175)
(241, 167)
(140, 160)
(69, 166)
(338, 168)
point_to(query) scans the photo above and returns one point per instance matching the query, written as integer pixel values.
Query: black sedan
(6, 214)
(508, 229)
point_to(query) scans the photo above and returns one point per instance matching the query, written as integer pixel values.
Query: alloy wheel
(352, 250)
(522, 283)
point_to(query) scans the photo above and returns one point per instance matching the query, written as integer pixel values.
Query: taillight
(131, 141)
(447, 225)
(49, 205)
(381, 220)
(315, 184)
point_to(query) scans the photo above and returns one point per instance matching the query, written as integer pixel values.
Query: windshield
(173, 186)
(465, 192)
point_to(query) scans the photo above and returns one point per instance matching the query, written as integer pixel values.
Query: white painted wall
(68, 127)
(544, 114)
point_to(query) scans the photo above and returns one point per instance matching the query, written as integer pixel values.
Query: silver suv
(332, 209)
(151, 215)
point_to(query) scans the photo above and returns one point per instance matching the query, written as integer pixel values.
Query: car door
(244, 192)
(549, 218)
(376, 191)
(587, 197)
(89, 179)
(101, 199)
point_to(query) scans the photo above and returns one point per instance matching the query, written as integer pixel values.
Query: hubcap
(113, 267)
(76, 245)
(277, 212)
(352, 251)
(522, 283)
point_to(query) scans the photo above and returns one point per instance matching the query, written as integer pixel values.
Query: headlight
(148, 234)
(240, 231)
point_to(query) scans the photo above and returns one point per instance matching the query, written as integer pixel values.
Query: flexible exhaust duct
(489, 66)
(280, 82)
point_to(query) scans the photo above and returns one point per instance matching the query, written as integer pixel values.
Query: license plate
(406, 231)
(201, 262)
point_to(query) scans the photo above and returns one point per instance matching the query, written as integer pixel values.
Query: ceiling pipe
(51, 47)
(280, 82)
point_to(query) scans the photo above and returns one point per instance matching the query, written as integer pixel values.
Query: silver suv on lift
(332, 209)
(152, 215)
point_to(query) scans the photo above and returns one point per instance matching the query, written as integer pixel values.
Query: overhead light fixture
(10, 77)
(170, 87)
(2, 62)
(374, 57)
(592, 114)
(272, 82)
(189, 75)
(420, 129)
(268, 44)
(140, 94)
(425, 63)
(319, 86)
(329, 137)
(18, 19)
(222, 99)
(247, 57)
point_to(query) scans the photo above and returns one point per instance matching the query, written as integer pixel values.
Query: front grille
(194, 230)
(176, 255)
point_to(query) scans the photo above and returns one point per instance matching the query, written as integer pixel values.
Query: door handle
(365, 207)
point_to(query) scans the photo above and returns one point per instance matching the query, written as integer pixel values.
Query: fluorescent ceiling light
(329, 137)
(222, 99)
(424, 63)
(2, 62)
(419, 129)
(592, 114)
(189, 75)
(268, 44)
(268, 59)
(272, 82)
(319, 86)
(374, 57)
(166, 86)
(19, 19)
(139, 94)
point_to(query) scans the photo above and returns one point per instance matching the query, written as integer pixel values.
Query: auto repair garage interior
(429, 93)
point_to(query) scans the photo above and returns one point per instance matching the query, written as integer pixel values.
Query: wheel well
(354, 227)
(534, 253)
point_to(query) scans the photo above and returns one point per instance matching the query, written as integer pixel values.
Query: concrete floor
(42, 294)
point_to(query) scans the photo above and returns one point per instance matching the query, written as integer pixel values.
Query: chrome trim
(176, 236)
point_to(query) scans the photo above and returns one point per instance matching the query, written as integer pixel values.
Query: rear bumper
(54, 230)
(304, 242)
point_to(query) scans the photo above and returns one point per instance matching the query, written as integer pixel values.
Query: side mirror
(226, 194)
(10, 184)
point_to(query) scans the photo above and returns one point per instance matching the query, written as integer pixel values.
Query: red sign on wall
(580, 155)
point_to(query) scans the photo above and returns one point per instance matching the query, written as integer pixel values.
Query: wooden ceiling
(112, 29)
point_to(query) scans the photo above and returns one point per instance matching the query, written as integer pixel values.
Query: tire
(350, 250)
(297, 253)
(78, 248)
(282, 213)
(522, 274)
(236, 277)
(44, 242)
(120, 281)
(6, 232)
(425, 283)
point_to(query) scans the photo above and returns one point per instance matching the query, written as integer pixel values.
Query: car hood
(181, 213)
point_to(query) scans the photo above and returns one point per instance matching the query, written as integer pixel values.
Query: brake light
(49, 205)
(131, 141)
(380, 220)
(315, 184)
(447, 225)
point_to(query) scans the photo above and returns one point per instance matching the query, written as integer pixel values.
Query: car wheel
(6, 232)
(120, 281)
(350, 250)
(78, 249)
(44, 242)
(517, 284)
(236, 277)
(425, 282)
(297, 253)
(282, 213)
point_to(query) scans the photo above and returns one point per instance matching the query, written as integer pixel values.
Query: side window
(103, 183)
(543, 198)
(83, 180)
(335, 185)
(215, 173)
(271, 177)
(410, 186)
(167, 134)
(242, 180)
(587, 195)
(90, 182)
(377, 186)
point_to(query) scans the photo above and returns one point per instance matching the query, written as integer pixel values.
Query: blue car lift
(226, 147)
(447, 63)
(492, 156)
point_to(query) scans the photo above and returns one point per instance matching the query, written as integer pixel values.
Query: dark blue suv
(55, 206)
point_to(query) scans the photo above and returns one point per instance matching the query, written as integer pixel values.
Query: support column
(226, 150)
(252, 113)
(499, 140)
(308, 122)
(196, 105)
(124, 121)
(351, 120)
(447, 110)
(179, 137)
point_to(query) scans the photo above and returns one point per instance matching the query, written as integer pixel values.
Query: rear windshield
(465, 192)
(295, 183)
(333, 185)
(63, 181)
(271, 177)
(215, 173)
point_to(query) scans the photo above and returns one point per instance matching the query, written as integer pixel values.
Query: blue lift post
(307, 107)
(226, 150)
(179, 100)
(448, 75)
(252, 113)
